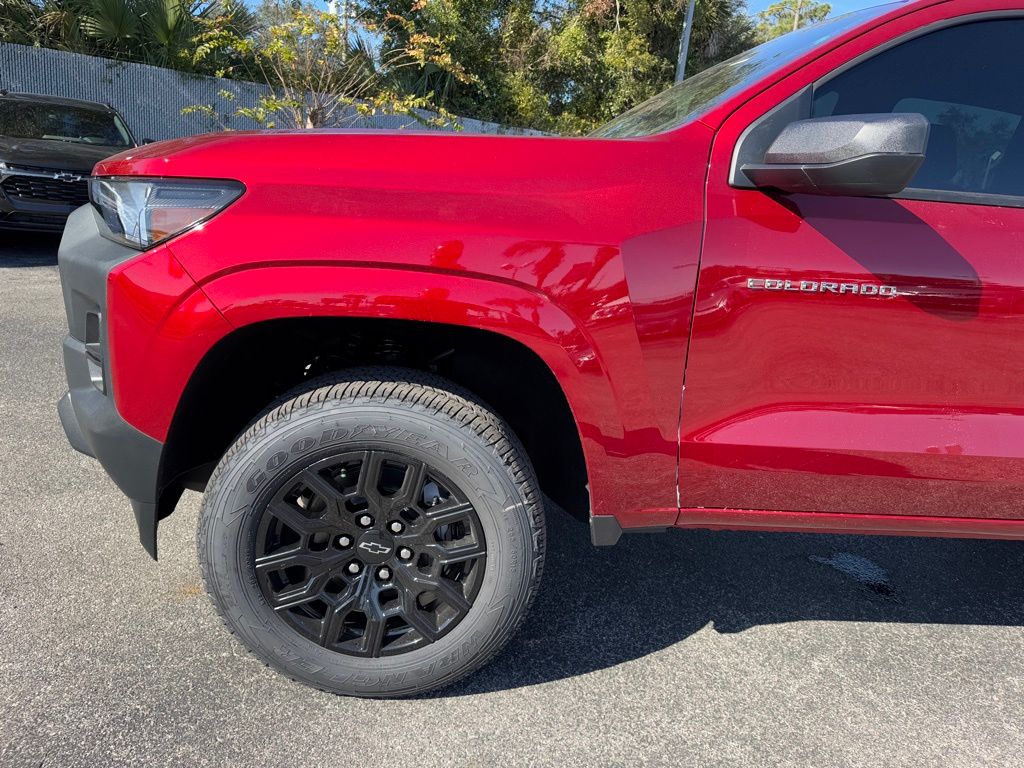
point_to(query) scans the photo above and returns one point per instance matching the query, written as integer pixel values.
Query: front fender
(512, 310)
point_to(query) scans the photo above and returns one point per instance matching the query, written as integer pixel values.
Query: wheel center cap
(374, 547)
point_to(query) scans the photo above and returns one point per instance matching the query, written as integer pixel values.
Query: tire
(301, 610)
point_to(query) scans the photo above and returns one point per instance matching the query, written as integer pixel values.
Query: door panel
(811, 387)
(845, 402)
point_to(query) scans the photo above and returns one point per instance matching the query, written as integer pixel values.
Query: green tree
(555, 65)
(721, 30)
(319, 72)
(568, 65)
(18, 21)
(158, 32)
(479, 34)
(788, 15)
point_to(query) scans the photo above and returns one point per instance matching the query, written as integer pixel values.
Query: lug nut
(396, 527)
(365, 521)
(344, 541)
(405, 553)
(353, 568)
(384, 574)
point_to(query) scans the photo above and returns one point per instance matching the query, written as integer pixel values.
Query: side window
(966, 81)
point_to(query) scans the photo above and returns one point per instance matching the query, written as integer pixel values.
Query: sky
(838, 6)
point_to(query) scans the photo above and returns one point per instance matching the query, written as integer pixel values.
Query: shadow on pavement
(28, 249)
(601, 607)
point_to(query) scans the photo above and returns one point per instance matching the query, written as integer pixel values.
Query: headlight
(142, 212)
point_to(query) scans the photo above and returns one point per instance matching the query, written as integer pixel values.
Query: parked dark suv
(48, 147)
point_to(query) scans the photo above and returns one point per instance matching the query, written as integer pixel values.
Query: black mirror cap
(866, 176)
(864, 155)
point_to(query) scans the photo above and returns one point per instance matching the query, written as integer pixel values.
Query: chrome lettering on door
(825, 286)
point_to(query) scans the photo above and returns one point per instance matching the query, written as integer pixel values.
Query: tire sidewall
(276, 450)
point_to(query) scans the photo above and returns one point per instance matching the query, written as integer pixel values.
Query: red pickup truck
(785, 294)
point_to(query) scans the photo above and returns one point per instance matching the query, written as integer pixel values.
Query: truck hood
(367, 186)
(370, 158)
(50, 153)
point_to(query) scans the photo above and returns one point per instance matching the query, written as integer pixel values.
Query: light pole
(339, 8)
(684, 43)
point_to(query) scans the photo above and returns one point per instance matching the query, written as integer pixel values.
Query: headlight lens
(143, 212)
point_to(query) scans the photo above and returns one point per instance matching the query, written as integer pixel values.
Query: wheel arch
(497, 340)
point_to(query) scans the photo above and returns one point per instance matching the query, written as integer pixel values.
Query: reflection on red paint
(813, 399)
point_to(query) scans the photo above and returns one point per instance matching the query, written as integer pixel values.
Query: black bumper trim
(90, 418)
(95, 428)
(605, 530)
(72, 428)
(146, 520)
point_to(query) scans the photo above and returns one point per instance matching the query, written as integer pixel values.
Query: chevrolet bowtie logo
(374, 548)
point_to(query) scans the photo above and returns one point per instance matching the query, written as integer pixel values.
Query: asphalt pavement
(691, 648)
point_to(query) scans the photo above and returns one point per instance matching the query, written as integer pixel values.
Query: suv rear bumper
(88, 414)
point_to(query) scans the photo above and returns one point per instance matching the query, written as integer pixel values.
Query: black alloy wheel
(370, 553)
(377, 532)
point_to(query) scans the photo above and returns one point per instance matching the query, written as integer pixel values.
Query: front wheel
(378, 534)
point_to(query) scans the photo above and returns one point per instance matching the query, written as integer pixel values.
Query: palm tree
(19, 20)
(158, 32)
(111, 25)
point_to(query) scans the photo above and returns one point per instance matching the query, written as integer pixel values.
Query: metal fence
(151, 98)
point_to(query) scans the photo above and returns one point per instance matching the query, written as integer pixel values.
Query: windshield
(707, 89)
(26, 120)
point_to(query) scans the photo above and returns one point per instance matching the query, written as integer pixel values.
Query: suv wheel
(379, 533)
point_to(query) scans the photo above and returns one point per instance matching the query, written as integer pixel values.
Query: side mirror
(863, 155)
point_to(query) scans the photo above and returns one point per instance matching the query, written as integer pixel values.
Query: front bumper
(87, 412)
(42, 218)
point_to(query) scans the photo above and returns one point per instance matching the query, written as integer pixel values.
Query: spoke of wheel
(334, 619)
(317, 562)
(369, 476)
(412, 484)
(284, 559)
(326, 492)
(320, 567)
(448, 514)
(452, 595)
(448, 591)
(373, 634)
(459, 554)
(415, 618)
(297, 521)
(283, 601)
